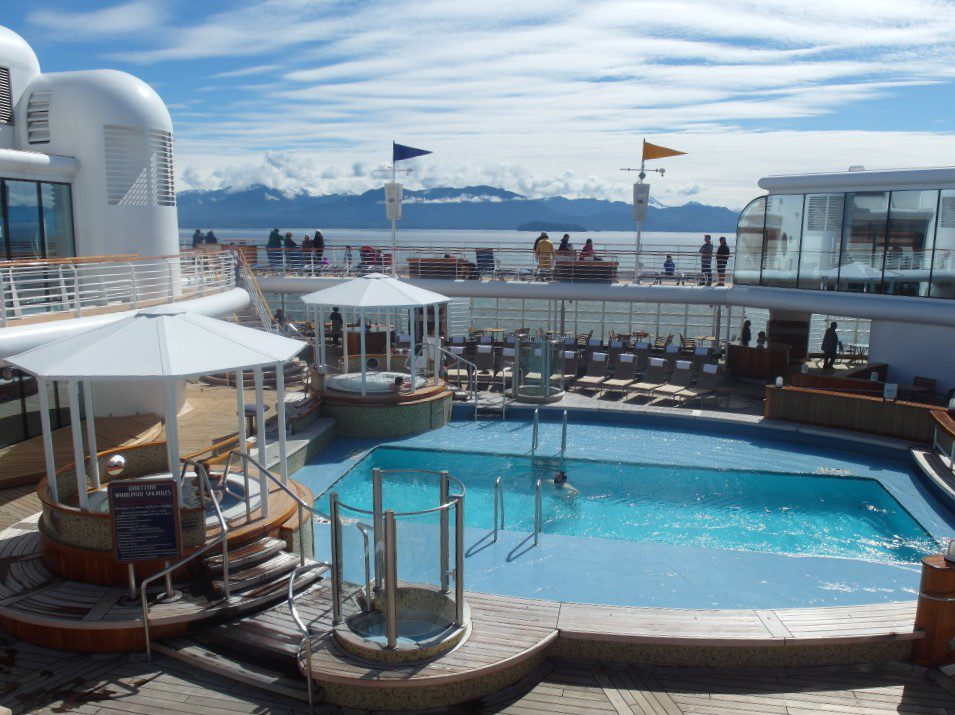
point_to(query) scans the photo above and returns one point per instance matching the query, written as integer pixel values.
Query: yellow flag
(652, 151)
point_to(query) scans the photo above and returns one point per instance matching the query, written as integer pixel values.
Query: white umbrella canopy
(157, 344)
(374, 290)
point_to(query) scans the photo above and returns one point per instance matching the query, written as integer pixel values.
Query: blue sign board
(145, 515)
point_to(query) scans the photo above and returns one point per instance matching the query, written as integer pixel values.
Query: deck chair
(593, 345)
(680, 380)
(641, 352)
(671, 350)
(624, 374)
(456, 340)
(486, 339)
(707, 386)
(571, 365)
(596, 372)
(701, 356)
(569, 342)
(484, 363)
(484, 259)
(616, 347)
(655, 377)
(506, 364)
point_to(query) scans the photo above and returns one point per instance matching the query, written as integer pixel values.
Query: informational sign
(393, 200)
(641, 198)
(145, 519)
(890, 391)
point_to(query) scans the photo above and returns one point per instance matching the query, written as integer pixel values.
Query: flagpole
(639, 237)
(394, 221)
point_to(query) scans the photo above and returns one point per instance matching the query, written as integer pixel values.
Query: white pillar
(172, 428)
(77, 433)
(91, 434)
(388, 320)
(345, 340)
(260, 440)
(320, 332)
(414, 357)
(280, 413)
(364, 355)
(437, 340)
(241, 431)
(47, 440)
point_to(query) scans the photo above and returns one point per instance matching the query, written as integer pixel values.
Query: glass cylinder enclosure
(539, 373)
(398, 566)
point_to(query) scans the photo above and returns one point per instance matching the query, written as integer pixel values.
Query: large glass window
(36, 220)
(943, 260)
(781, 240)
(749, 242)
(821, 233)
(24, 239)
(863, 242)
(909, 242)
(57, 220)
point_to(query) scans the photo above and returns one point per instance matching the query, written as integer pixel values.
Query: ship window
(749, 242)
(943, 258)
(819, 248)
(38, 118)
(910, 241)
(139, 169)
(6, 97)
(781, 240)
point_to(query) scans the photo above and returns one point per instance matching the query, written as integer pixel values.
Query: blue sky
(540, 97)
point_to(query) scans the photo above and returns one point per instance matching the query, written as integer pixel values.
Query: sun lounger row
(656, 383)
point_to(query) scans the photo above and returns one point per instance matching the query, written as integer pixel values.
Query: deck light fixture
(779, 382)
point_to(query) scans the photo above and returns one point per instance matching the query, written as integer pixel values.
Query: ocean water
(741, 510)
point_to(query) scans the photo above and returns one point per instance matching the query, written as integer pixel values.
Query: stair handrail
(498, 506)
(306, 633)
(255, 292)
(472, 374)
(223, 538)
(535, 423)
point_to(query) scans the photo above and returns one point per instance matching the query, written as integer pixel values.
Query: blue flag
(400, 151)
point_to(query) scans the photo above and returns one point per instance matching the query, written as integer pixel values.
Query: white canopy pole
(280, 415)
(345, 340)
(414, 357)
(47, 440)
(364, 356)
(91, 433)
(260, 440)
(77, 434)
(437, 340)
(172, 428)
(320, 348)
(241, 431)
(388, 321)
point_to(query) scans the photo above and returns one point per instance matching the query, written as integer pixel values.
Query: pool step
(259, 573)
(247, 555)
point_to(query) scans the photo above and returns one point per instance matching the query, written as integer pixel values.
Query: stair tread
(260, 573)
(248, 554)
(281, 584)
(240, 669)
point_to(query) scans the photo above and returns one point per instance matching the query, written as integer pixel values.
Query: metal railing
(537, 511)
(76, 287)
(535, 423)
(306, 641)
(563, 437)
(472, 374)
(498, 261)
(205, 487)
(498, 506)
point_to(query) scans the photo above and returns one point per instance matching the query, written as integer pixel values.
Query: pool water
(732, 509)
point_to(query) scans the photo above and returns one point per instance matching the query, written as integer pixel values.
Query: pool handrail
(563, 437)
(534, 428)
(472, 374)
(498, 506)
(537, 510)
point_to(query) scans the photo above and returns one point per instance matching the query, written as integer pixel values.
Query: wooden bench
(449, 268)
(585, 271)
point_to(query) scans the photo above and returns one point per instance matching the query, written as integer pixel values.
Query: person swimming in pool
(560, 481)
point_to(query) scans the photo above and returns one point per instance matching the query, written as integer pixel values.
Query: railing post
(534, 428)
(497, 499)
(3, 303)
(391, 580)
(134, 284)
(459, 560)
(563, 434)
(336, 558)
(378, 534)
(537, 510)
(444, 489)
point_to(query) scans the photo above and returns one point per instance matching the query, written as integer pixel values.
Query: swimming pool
(681, 513)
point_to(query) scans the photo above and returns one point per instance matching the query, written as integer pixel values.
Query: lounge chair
(484, 258)
(616, 347)
(571, 365)
(457, 370)
(641, 351)
(506, 364)
(596, 372)
(707, 386)
(680, 380)
(624, 374)
(654, 378)
(594, 345)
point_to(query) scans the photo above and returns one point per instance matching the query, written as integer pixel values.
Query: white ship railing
(40, 290)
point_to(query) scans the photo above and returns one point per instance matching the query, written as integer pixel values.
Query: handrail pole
(534, 428)
(458, 559)
(497, 498)
(391, 580)
(378, 533)
(444, 492)
(301, 535)
(563, 435)
(336, 559)
(537, 510)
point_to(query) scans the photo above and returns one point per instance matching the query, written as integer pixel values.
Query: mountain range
(470, 207)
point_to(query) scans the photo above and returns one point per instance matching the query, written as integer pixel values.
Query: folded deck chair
(680, 380)
(624, 373)
(655, 377)
(596, 372)
(707, 386)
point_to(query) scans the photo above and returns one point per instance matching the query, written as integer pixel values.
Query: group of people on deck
(279, 246)
(199, 238)
(544, 250)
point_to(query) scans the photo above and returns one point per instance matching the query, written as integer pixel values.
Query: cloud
(246, 71)
(122, 19)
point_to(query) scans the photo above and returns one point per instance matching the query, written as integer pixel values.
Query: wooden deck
(22, 463)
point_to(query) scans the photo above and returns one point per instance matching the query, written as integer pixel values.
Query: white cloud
(122, 19)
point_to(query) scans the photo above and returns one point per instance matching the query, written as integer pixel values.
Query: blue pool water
(687, 513)
(753, 511)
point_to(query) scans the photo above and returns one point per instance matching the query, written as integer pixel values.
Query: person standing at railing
(319, 245)
(211, 238)
(706, 261)
(337, 325)
(544, 250)
(308, 252)
(197, 238)
(830, 347)
(273, 248)
(565, 244)
(747, 334)
(669, 267)
(722, 258)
